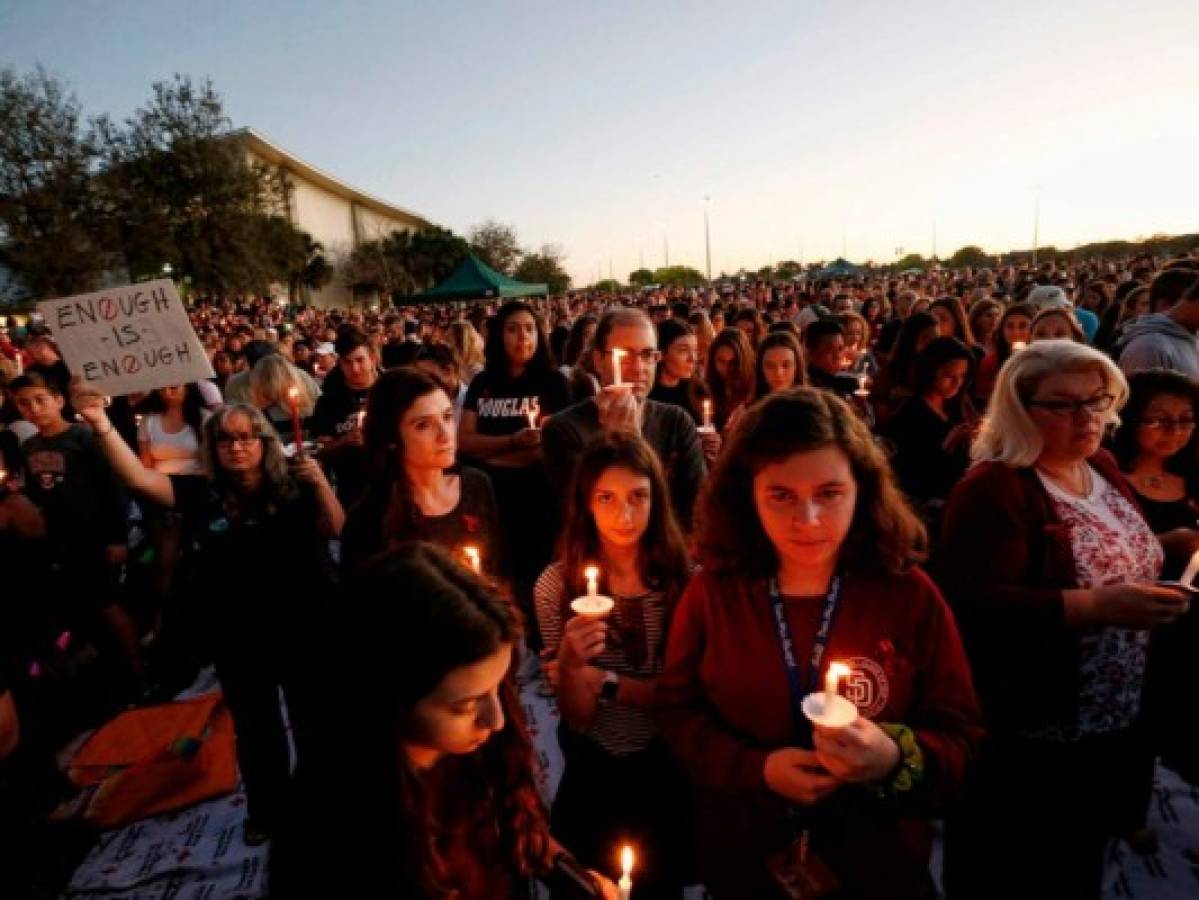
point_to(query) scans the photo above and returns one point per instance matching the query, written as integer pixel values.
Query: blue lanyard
(800, 688)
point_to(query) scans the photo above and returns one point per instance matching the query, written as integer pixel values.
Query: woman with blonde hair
(271, 382)
(1051, 570)
(467, 345)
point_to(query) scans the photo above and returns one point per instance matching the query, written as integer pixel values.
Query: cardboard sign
(128, 339)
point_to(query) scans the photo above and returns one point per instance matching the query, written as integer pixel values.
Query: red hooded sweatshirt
(725, 706)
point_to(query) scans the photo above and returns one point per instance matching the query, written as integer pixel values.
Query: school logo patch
(867, 686)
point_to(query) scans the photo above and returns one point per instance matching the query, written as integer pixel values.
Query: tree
(684, 275)
(50, 234)
(544, 267)
(911, 261)
(495, 243)
(641, 277)
(179, 189)
(969, 256)
(607, 286)
(429, 255)
(788, 268)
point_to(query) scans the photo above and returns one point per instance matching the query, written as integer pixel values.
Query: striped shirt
(618, 729)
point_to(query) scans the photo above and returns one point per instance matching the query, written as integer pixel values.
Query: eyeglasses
(225, 439)
(645, 357)
(1165, 423)
(1070, 408)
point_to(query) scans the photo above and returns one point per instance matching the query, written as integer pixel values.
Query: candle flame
(591, 573)
(472, 555)
(626, 861)
(838, 671)
(293, 393)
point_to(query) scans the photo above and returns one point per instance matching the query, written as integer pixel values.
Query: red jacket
(725, 706)
(1004, 560)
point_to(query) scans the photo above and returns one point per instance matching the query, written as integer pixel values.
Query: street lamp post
(707, 239)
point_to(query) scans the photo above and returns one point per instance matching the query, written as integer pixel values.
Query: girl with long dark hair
(619, 778)
(415, 488)
(434, 797)
(730, 374)
(501, 430)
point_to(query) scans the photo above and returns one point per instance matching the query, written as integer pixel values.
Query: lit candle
(1192, 569)
(360, 419)
(293, 400)
(472, 556)
(832, 683)
(3, 478)
(534, 412)
(1017, 346)
(592, 604)
(137, 420)
(617, 353)
(626, 878)
(708, 415)
(20, 364)
(861, 391)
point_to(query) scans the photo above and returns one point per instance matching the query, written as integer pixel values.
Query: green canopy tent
(473, 280)
(838, 268)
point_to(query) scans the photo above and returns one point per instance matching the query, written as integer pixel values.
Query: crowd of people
(975, 489)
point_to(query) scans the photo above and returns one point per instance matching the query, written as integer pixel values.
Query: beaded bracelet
(911, 761)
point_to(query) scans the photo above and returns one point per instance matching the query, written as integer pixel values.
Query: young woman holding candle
(893, 385)
(434, 796)
(415, 489)
(519, 377)
(1156, 446)
(803, 477)
(1051, 570)
(1012, 331)
(676, 382)
(619, 778)
(730, 374)
(263, 521)
(929, 437)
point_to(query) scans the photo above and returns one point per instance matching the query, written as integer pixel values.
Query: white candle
(3, 477)
(361, 419)
(832, 682)
(592, 604)
(534, 412)
(1192, 569)
(861, 391)
(472, 556)
(617, 353)
(1017, 346)
(707, 414)
(591, 573)
(626, 878)
(20, 364)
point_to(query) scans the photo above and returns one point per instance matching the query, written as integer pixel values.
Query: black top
(840, 383)
(1166, 515)
(473, 522)
(502, 405)
(926, 471)
(336, 414)
(69, 479)
(254, 555)
(679, 395)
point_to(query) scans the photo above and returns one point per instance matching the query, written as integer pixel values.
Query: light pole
(1036, 221)
(665, 250)
(707, 239)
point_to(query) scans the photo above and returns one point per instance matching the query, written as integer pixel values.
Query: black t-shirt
(336, 415)
(679, 395)
(503, 404)
(259, 560)
(473, 522)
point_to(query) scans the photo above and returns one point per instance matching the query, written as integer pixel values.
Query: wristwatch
(610, 686)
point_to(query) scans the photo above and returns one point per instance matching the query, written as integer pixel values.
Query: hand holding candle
(293, 400)
(707, 427)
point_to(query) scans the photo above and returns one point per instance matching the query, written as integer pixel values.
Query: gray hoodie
(1158, 342)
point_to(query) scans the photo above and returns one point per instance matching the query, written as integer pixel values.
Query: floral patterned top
(1112, 544)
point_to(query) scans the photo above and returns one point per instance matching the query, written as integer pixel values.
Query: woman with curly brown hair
(809, 556)
(425, 789)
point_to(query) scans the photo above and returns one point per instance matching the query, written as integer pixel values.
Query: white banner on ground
(127, 339)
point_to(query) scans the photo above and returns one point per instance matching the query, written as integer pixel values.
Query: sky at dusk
(812, 127)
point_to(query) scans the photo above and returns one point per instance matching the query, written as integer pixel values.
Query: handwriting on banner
(128, 339)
